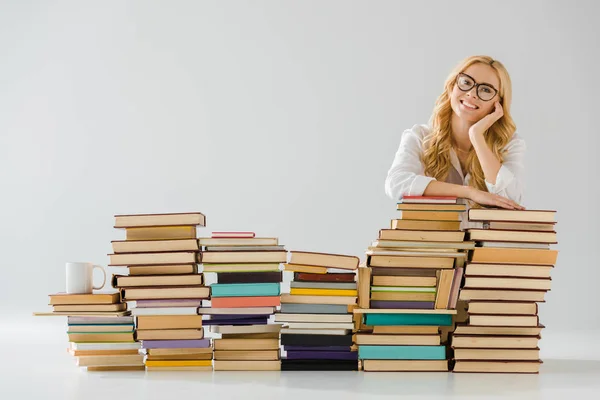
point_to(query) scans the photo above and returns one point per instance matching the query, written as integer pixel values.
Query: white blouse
(406, 175)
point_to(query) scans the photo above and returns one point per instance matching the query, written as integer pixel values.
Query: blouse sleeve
(406, 175)
(509, 181)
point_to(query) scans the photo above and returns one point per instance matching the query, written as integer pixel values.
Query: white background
(280, 117)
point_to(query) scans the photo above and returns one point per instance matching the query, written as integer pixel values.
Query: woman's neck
(460, 133)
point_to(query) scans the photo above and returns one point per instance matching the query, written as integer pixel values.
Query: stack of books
(161, 252)
(243, 299)
(318, 312)
(409, 289)
(100, 330)
(507, 275)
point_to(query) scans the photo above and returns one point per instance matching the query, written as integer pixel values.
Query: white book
(165, 311)
(320, 325)
(106, 346)
(238, 329)
(339, 318)
(295, 331)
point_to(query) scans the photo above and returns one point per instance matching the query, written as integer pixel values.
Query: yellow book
(324, 292)
(178, 363)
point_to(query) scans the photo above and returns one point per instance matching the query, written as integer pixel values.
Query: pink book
(237, 235)
(429, 199)
(458, 274)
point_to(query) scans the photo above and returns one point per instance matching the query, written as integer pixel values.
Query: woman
(470, 149)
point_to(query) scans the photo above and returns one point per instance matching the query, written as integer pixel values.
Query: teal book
(408, 319)
(244, 289)
(402, 352)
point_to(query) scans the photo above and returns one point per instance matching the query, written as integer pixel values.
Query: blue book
(402, 352)
(244, 289)
(408, 319)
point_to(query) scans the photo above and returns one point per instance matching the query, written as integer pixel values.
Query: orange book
(258, 301)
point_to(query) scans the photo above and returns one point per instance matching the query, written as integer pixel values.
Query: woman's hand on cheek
(486, 122)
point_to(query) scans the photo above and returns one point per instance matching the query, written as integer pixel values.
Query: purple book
(176, 344)
(423, 305)
(316, 348)
(251, 321)
(322, 355)
(168, 303)
(237, 316)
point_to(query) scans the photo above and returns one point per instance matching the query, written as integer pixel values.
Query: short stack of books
(243, 299)
(318, 312)
(409, 289)
(507, 275)
(161, 252)
(101, 332)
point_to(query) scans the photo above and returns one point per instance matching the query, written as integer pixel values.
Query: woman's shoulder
(516, 143)
(416, 134)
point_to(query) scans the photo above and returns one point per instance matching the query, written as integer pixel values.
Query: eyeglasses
(484, 91)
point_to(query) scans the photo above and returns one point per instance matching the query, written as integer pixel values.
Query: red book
(429, 199)
(233, 235)
(255, 301)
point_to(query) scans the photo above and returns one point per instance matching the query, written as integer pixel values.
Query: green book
(244, 289)
(402, 352)
(408, 319)
(412, 289)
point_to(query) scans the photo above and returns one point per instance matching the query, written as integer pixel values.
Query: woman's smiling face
(468, 105)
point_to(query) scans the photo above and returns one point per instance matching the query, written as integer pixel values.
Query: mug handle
(103, 281)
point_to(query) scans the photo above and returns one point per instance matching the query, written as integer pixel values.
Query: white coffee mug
(80, 277)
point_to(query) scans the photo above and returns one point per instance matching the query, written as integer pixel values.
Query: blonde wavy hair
(437, 145)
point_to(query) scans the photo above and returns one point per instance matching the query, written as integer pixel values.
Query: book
(406, 330)
(152, 220)
(244, 289)
(245, 248)
(364, 288)
(400, 296)
(420, 245)
(310, 269)
(323, 292)
(442, 297)
(502, 295)
(315, 340)
(504, 215)
(326, 260)
(497, 354)
(305, 299)
(321, 355)
(519, 226)
(408, 319)
(245, 277)
(404, 272)
(176, 344)
(422, 235)
(93, 337)
(503, 320)
(428, 200)
(120, 281)
(409, 262)
(168, 303)
(179, 352)
(509, 270)
(309, 332)
(127, 259)
(238, 241)
(455, 289)
(232, 234)
(106, 360)
(324, 285)
(154, 246)
(390, 304)
(262, 301)
(165, 311)
(183, 292)
(498, 330)
(494, 307)
(228, 257)
(246, 344)
(242, 355)
(320, 325)
(318, 365)
(99, 320)
(296, 308)
(398, 340)
(425, 225)
(246, 329)
(430, 207)
(532, 367)
(236, 311)
(171, 269)
(337, 277)
(511, 236)
(169, 322)
(496, 342)
(230, 268)
(90, 307)
(477, 282)
(411, 289)
(244, 365)
(97, 298)
(405, 365)
(514, 256)
(161, 233)
(318, 318)
(101, 328)
(402, 352)
(105, 346)
(169, 334)
(514, 245)
(179, 363)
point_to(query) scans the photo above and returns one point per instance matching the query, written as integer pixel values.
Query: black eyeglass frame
(476, 86)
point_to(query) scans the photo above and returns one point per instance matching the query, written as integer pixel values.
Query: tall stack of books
(409, 289)
(318, 312)
(161, 252)
(243, 299)
(508, 273)
(101, 332)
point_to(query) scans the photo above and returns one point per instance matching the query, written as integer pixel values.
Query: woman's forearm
(437, 188)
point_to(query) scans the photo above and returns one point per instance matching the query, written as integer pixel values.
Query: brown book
(171, 219)
(495, 342)
(161, 233)
(406, 330)
(364, 287)
(101, 337)
(154, 246)
(310, 269)
(90, 307)
(169, 334)
(179, 257)
(99, 298)
(455, 291)
(503, 320)
(181, 357)
(324, 260)
(402, 296)
(481, 282)
(497, 235)
(431, 207)
(397, 340)
(525, 367)
(244, 365)
(337, 277)
(497, 354)
(513, 256)
(171, 269)
(220, 257)
(184, 292)
(502, 295)
(120, 281)
(443, 289)
(169, 322)
(406, 272)
(78, 353)
(503, 215)
(105, 368)
(303, 299)
(515, 270)
(405, 365)
(422, 215)
(498, 330)
(129, 359)
(258, 355)
(422, 235)
(495, 307)
(246, 344)
(206, 241)
(520, 226)
(423, 281)
(410, 262)
(412, 225)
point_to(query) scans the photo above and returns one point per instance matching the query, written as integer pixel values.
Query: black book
(319, 365)
(315, 340)
(249, 277)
